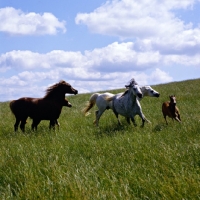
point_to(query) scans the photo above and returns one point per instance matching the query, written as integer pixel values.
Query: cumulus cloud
(16, 22)
(153, 24)
(116, 57)
(127, 18)
(105, 68)
(159, 76)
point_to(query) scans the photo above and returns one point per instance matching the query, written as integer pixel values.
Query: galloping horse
(127, 104)
(46, 108)
(170, 109)
(103, 104)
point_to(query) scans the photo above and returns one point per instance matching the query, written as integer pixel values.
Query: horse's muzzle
(157, 95)
(75, 92)
(69, 105)
(140, 95)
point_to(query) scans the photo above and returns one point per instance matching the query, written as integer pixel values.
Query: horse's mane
(53, 90)
(131, 82)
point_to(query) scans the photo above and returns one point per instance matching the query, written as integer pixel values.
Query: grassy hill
(81, 161)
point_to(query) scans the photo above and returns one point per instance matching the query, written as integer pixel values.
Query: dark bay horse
(47, 108)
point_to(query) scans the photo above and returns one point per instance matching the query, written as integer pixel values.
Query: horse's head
(67, 88)
(172, 99)
(59, 90)
(136, 91)
(133, 86)
(67, 103)
(149, 91)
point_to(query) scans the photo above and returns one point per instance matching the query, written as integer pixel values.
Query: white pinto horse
(103, 104)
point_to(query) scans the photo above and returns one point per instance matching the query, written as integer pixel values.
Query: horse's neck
(172, 107)
(144, 91)
(56, 97)
(131, 98)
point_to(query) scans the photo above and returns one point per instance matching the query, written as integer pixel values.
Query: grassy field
(81, 161)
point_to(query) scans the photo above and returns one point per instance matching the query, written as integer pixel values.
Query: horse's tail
(90, 104)
(12, 106)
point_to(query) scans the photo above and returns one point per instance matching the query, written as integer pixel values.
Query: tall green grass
(81, 161)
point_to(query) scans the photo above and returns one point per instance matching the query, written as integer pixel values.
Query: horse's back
(21, 106)
(101, 101)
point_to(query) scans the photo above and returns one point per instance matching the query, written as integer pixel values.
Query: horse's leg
(177, 119)
(128, 120)
(22, 124)
(133, 120)
(165, 119)
(33, 127)
(35, 124)
(95, 121)
(57, 123)
(143, 120)
(98, 114)
(16, 124)
(142, 117)
(117, 115)
(53, 123)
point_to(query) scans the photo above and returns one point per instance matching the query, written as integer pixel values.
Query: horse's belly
(45, 114)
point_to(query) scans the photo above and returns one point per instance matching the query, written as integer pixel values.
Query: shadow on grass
(162, 126)
(113, 130)
(42, 131)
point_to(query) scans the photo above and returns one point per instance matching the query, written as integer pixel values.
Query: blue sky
(96, 46)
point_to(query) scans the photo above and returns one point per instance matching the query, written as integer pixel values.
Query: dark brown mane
(54, 89)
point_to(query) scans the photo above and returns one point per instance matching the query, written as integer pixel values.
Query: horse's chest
(125, 108)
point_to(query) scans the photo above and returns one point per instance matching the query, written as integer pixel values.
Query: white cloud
(23, 60)
(16, 22)
(159, 76)
(128, 18)
(147, 20)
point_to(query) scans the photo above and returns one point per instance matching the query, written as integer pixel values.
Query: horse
(127, 104)
(170, 109)
(46, 108)
(103, 104)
